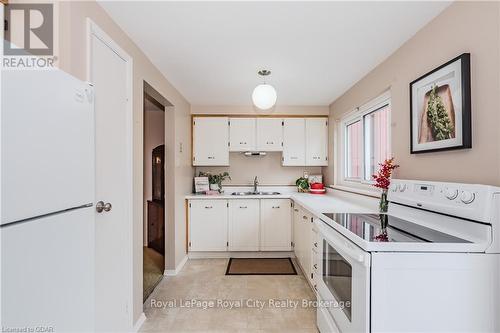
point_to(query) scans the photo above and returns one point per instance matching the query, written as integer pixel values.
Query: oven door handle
(342, 244)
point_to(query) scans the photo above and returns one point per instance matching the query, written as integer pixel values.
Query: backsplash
(267, 168)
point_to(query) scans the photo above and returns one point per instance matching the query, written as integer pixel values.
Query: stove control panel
(462, 200)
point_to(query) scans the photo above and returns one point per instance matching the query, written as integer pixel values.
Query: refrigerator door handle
(30, 219)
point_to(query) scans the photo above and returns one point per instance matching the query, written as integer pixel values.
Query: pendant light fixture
(264, 95)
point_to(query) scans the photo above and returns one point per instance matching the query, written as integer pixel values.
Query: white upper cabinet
(210, 141)
(242, 134)
(294, 142)
(269, 134)
(316, 141)
(276, 225)
(244, 225)
(303, 141)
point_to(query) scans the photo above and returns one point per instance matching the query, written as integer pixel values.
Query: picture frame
(440, 108)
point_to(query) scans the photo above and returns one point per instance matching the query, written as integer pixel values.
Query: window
(366, 139)
(354, 150)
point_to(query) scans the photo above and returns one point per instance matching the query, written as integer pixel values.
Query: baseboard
(139, 322)
(173, 272)
(228, 254)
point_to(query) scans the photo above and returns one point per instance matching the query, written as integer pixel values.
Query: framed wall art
(440, 108)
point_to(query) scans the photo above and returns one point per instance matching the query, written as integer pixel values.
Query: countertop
(334, 201)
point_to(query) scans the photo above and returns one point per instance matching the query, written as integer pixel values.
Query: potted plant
(302, 184)
(383, 181)
(215, 180)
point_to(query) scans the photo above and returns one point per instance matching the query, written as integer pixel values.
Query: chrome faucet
(255, 183)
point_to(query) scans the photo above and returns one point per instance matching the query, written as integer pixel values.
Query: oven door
(344, 280)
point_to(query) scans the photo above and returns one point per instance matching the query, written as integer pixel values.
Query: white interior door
(110, 71)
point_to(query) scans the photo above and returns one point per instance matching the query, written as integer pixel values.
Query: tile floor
(204, 280)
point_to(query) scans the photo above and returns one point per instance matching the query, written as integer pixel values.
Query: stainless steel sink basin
(243, 193)
(255, 193)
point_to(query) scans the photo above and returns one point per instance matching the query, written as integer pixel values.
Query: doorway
(154, 192)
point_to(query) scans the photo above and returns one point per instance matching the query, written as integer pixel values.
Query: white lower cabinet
(208, 220)
(244, 225)
(240, 225)
(303, 236)
(275, 225)
(314, 257)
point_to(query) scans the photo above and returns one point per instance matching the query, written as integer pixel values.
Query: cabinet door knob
(243, 207)
(276, 206)
(208, 207)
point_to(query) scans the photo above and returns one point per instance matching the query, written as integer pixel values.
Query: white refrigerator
(47, 196)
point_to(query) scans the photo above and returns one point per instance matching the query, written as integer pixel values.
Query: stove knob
(467, 197)
(402, 187)
(451, 194)
(395, 188)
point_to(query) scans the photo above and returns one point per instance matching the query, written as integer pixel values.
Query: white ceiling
(211, 51)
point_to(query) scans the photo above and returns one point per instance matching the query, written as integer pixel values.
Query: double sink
(254, 193)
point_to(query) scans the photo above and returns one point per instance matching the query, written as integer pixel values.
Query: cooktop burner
(370, 227)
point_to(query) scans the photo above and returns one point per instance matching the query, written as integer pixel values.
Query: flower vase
(384, 204)
(382, 236)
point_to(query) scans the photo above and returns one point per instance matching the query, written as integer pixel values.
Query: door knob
(101, 206)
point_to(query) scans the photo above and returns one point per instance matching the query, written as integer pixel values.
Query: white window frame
(352, 117)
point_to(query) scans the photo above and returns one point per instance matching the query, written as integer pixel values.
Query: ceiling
(211, 51)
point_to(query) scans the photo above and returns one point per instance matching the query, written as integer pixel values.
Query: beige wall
(154, 135)
(268, 169)
(463, 27)
(72, 40)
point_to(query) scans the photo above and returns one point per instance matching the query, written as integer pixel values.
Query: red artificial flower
(383, 177)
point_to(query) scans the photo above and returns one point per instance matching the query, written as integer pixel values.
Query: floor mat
(260, 266)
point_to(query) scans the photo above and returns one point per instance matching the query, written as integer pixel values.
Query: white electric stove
(432, 264)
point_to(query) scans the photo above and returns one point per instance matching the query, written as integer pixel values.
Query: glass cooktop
(370, 227)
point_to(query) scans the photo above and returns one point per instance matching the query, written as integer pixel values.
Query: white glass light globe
(264, 96)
